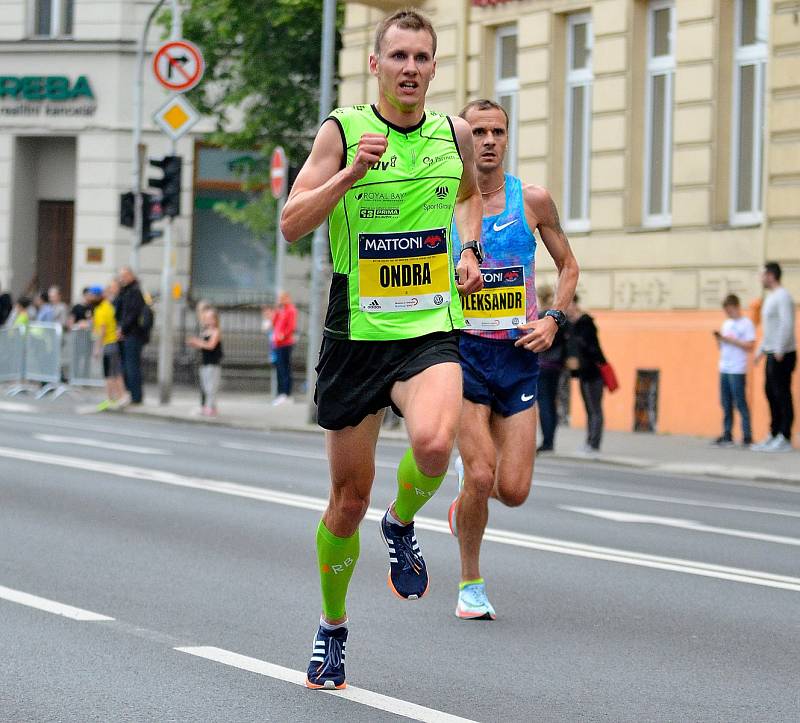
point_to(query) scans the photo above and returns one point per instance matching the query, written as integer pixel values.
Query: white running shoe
(473, 604)
(779, 444)
(763, 445)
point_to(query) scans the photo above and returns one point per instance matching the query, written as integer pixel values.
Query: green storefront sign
(44, 87)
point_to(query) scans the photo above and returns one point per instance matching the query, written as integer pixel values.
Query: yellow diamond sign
(176, 117)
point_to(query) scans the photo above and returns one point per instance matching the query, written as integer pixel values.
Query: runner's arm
(541, 211)
(322, 181)
(469, 210)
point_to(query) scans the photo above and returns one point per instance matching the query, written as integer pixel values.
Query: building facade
(67, 70)
(668, 132)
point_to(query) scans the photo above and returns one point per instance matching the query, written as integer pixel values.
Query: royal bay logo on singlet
(403, 271)
(501, 302)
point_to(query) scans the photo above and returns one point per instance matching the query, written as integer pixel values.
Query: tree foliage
(261, 83)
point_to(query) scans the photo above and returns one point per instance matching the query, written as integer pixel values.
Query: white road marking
(670, 500)
(17, 407)
(632, 517)
(83, 442)
(51, 606)
(355, 695)
(544, 544)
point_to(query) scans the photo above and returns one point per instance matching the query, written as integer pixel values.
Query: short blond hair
(405, 19)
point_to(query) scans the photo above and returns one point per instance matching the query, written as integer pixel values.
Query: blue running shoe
(326, 669)
(453, 511)
(473, 603)
(408, 576)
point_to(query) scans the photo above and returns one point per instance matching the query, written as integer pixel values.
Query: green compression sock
(337, 559)
(414, 488)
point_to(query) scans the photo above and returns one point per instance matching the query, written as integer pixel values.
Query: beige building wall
(700, 257)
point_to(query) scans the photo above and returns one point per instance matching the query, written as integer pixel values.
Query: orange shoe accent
(393, 589)
(314, 686)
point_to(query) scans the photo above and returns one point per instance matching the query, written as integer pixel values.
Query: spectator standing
(551, 366)
(735, 339)
(779, 346)
(5, 306)
(210, 345)
(54, 309)
(81, 313)
(20, 316)
(132, 337)
(104, 326)
(284, 324)
(584, 349)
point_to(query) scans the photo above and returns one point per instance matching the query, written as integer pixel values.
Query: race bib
(403, 271)
(501, 304)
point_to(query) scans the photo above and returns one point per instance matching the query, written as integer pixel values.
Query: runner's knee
(479, 480)
(432, 451)
(513, 496)
(349, 503)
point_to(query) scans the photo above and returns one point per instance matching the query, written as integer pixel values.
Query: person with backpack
(133, 334)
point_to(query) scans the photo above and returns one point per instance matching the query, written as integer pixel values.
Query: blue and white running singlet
(508, 298)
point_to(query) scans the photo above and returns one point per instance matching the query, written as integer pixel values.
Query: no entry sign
(178, 65)
(278, 173)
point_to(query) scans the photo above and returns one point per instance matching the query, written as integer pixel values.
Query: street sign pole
(320, 273)
(166, 351)
(279, 183)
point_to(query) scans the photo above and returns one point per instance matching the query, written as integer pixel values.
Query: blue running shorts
(498, 374)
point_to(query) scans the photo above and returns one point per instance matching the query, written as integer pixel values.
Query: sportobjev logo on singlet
(403, 271)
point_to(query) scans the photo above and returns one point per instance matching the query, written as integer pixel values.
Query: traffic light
(149, 214)
(169, 184)
(127, 203)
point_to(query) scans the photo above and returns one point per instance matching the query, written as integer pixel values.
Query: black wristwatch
(559, 316)
(477, 249)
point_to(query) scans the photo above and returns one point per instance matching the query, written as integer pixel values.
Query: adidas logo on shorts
(374, 304)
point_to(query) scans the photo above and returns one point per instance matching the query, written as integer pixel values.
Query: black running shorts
(355, 378)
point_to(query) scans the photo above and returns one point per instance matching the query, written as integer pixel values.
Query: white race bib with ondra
(403, 271)
(501, 304)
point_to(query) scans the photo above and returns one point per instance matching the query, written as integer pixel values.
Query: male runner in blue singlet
(497, 435)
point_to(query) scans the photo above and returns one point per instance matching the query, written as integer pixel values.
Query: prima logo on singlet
(379, 212)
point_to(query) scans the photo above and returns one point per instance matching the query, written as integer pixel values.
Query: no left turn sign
(178, 65)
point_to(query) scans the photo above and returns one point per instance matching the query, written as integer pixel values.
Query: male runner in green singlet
(497, 436)
(391, 177)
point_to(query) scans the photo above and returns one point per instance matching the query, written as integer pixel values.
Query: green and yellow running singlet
(393, 275)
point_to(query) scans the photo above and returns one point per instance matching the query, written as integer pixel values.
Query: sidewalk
(663, 453)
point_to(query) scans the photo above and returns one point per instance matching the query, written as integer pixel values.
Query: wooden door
(54, 246)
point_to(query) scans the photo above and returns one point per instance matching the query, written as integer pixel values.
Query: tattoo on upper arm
(556, 221)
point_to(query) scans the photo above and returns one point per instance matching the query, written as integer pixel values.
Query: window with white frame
(749, 67)
(578, 119)
(506, 87)
(52, 18)
(658, 113)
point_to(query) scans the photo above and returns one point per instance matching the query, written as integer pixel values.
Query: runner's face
(490, 138)
(404, 68)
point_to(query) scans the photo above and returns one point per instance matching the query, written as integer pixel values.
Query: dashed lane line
(99, 444)
(361, 696)
(515, 539)
(51, 606)
(355, 695)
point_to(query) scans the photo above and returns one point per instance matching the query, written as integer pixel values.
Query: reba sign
(51, 95)
(44, 87)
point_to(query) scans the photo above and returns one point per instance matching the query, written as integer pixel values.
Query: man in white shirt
(779, 346)
(736, 338)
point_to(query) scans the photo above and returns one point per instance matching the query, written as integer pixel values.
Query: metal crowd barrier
(85, 370)
(43, 357)
(12, 355)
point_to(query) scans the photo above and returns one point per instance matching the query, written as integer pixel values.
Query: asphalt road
(157, 571)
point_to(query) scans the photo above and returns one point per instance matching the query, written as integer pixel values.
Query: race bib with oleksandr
(403, 271)
(501, 304)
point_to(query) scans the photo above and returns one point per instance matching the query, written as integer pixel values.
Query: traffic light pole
(320, 273)
(139, 152)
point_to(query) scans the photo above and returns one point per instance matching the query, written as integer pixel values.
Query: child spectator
(210, 345)
(104, 326)
(735, 339)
